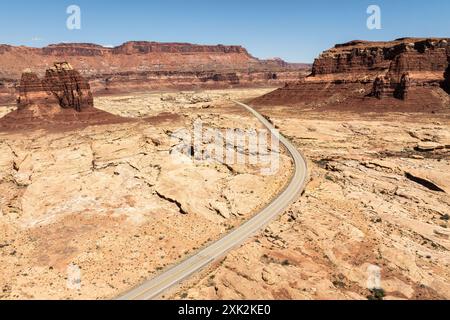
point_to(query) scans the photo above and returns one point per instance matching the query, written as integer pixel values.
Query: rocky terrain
(378, 199)
(91, 211)
(143, 66)
(404, 75)
(373, 119)
(170, 103)
(378, 196)
(94, 200)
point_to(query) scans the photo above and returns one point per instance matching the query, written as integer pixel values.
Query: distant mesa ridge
(144, 65)
(138, 47)
(405, 74)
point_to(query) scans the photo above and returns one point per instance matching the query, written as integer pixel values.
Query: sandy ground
(88, 214)
(155, 103)
(375, 215)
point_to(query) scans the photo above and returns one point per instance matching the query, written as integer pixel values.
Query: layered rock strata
(447, 78)
(405, 73)
(139, 66)
(61, 99)
(62, 85)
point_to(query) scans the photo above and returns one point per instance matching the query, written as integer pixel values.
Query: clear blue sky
(294, 30)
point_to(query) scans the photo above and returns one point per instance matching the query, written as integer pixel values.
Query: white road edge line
(154, 288)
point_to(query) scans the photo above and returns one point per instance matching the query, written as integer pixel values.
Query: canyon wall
(148, 65)
(424, 58)
(406, 73)
(447, 77)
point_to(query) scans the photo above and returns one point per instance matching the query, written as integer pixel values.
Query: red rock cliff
(359, 59)
(144, 47)
(447, 77)
(149, 65)
(405, 73)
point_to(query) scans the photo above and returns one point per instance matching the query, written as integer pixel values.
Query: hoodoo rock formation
(62, 85)
(360, 75)
(138, 66)
(61, 99)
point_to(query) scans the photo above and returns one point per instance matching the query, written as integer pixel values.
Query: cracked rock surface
(374, 201)
(112, 203)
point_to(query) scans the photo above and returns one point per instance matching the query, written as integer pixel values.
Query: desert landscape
(89, 178)
(373, 120)
(104, 193)
(139, 66)
(378, 195)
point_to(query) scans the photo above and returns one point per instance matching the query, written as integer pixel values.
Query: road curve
(155, 287)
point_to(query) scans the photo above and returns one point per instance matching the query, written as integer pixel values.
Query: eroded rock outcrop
(61, 85)
(381, 87)
(402, 88)
(447, 78)
(405, 73)
(385, 87)
(62, 98)
(68, 87)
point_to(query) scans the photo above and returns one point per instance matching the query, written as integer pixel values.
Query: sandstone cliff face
(405, 73)
(361, 59)
(143, 47)
(62, 99)
(447, 78)
(150, 65)
(30, 89)
(139, 47)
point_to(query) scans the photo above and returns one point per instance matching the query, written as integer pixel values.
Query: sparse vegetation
(376, 294)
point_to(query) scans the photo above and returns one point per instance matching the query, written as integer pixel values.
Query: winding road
(154, 288)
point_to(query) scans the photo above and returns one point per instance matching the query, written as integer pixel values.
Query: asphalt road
(154, 288)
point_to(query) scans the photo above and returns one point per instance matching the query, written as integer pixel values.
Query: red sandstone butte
(62, 99)
(405, 75)
(61, 85)
(139, 66)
